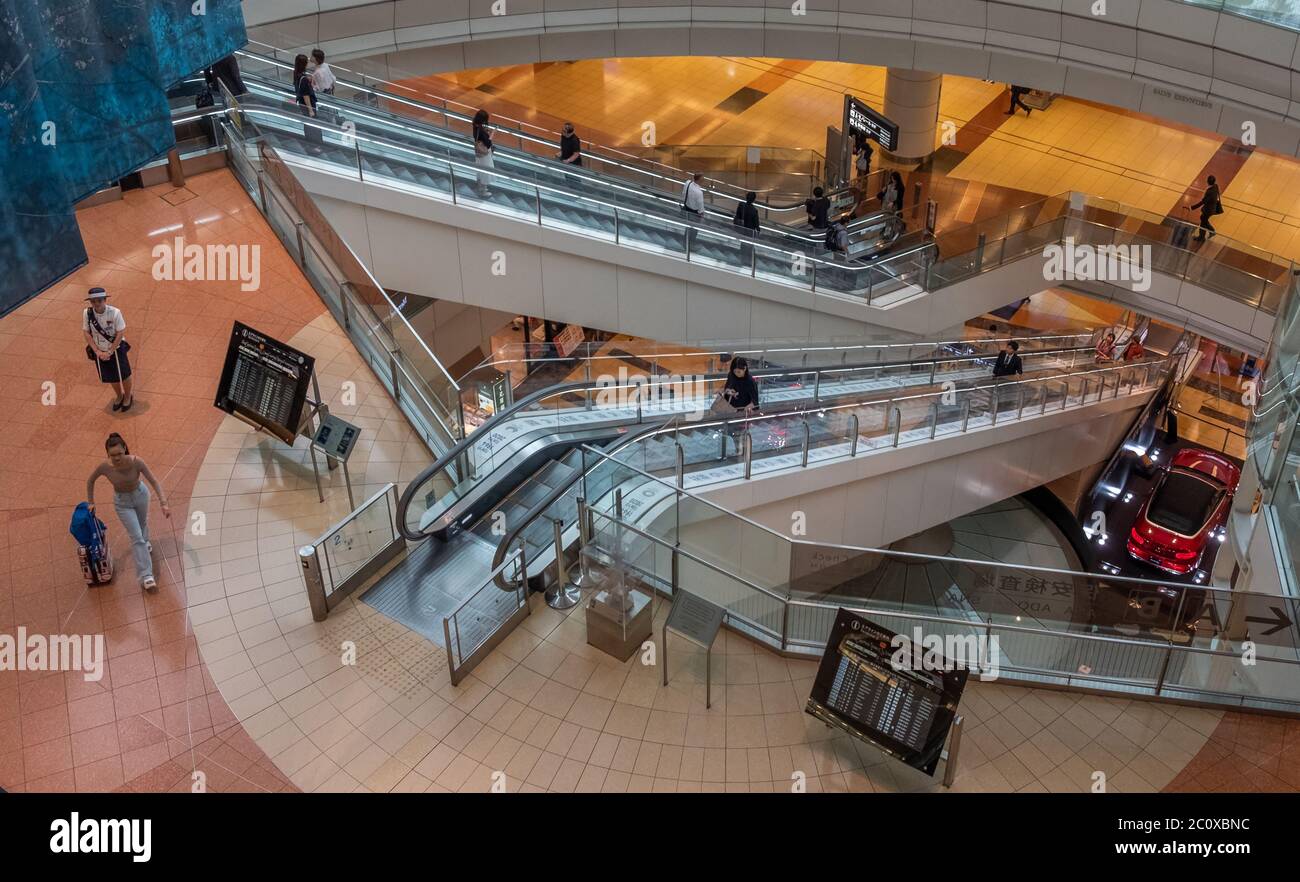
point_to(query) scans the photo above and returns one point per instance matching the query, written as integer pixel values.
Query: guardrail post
(965, 414)
(584, 536)
(1119, 381)
(933, 364)
(722, 439)
(392, 369)
(562, 595)
(853, 441)
(1083, 395)
(747, 442)
(1020, 406)
(934, 419)
(995, 400)
(979, 253)
(302, 253)
(817, 384)
(1065, 393)
(807, 438)
(681, 465)
(311, 575)
(897, 414)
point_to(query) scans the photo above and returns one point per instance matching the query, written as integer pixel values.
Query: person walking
(130, 501)
(1133, 351)
(305, 95)
(1017, 100)
(818, 208)
(104, 327)
(322, 78)
(1210, 205)
(483, 150)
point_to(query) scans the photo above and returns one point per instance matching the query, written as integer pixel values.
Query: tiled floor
(224, 672)
(156, 717)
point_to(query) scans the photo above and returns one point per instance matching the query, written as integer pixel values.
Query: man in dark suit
(1008, 363)
(1209, 206)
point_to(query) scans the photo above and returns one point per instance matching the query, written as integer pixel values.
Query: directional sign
(1278, 621)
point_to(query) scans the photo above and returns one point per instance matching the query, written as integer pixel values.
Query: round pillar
(912, 101)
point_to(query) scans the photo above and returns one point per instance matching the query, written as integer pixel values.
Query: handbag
(90, 352)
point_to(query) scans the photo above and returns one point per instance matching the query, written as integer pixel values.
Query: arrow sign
(1278, 623)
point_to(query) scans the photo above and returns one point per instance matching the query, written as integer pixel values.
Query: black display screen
(864, 118)
(265, 381)
(904, 711)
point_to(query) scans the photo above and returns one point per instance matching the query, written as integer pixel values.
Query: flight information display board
(904, 711)
(862, 117)
(265, 381)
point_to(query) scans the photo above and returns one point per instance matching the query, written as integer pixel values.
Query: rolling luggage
(92, 546)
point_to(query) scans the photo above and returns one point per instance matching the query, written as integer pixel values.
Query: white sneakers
(149, 584)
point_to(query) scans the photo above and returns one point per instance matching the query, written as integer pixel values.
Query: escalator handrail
(625, 159)
(536, 511)
(671, 203)
(820, 255)
(449, 457)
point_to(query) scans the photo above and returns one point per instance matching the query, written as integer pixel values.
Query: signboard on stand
(905, 711)
(860, 117)
(264, 382)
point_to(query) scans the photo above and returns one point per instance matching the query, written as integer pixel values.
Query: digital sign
(861, 117)
(264, 381)
(905, 711)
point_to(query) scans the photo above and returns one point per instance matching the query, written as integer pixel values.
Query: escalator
(510, 493)
(377, 145)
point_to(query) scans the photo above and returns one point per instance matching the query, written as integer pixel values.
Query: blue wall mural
(82, 104)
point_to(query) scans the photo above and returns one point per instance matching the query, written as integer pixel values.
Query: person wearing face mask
(104, 328)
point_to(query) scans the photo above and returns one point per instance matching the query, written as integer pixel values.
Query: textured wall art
(82, 104)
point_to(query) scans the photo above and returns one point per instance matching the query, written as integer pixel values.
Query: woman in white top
(104, 329)
(129, 474)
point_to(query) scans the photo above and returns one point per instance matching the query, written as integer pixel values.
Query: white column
(912, 101)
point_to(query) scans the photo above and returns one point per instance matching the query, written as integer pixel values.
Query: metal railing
(825, 432)
(780, 592)
(1237, 271)
(399, 356)
(641, 399)
(484, 619)
(350, 552)
(526, 136)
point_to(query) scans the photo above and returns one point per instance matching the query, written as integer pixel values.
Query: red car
(1187, 506)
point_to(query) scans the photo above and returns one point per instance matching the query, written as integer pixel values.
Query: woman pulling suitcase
(131, 501)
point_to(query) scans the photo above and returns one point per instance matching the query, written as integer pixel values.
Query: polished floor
(989, 162)
(223, 671)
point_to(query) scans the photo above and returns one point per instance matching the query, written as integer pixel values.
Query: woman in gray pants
(131, 501)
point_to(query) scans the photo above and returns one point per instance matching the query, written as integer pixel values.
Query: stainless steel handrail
(451, 456)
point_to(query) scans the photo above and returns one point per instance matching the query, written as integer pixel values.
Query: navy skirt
(115, 369)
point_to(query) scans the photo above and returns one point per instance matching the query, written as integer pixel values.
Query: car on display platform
(1187, 508)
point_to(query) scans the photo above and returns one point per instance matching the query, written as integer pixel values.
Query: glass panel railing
(1040, 624)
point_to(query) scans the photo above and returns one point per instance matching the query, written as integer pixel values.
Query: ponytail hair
(116, 440)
